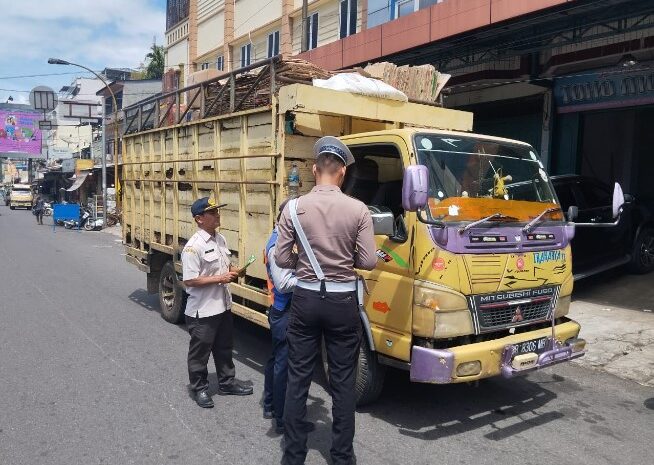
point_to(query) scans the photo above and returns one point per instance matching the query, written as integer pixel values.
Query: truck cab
(476, 281)
(20, 196)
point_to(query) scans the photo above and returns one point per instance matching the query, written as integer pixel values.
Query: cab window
(376, 179)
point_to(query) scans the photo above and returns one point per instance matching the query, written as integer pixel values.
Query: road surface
(91, 374)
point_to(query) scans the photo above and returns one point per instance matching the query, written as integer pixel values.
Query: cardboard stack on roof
(422, 83)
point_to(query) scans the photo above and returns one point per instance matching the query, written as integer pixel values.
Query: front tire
(370, 373)
(642, 260)
(172, 298)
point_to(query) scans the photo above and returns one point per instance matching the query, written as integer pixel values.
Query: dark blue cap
(204, 204)
(331, 144)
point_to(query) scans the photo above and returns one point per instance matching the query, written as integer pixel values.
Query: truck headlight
(439, 312)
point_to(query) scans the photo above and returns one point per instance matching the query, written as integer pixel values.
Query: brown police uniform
(339, 230)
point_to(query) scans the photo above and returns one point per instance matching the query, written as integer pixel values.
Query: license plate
(535, 345)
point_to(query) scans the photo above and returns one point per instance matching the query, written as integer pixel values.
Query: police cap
(330, 144)
(204, 204)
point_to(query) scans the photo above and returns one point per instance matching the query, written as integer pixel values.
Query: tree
(155, 62)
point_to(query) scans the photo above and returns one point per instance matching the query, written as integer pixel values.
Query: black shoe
(235, 389)
(308, 427)
(268, 414)
(203, 400)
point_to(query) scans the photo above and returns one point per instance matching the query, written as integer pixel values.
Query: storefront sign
(611, 89)
(68, 165)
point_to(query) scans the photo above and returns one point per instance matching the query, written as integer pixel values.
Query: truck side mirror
(383, 222)
(573, 212)
(415, 188)
(618, 200)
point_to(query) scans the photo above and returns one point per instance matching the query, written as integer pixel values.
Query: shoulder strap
(292, 208)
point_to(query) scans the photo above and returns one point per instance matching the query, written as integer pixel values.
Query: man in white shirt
(207, 272)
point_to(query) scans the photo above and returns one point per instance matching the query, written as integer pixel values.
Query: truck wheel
(369, 374)
(172, 298)
(642, 260)
(12, 208)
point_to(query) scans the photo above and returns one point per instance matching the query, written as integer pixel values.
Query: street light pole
(58, 61)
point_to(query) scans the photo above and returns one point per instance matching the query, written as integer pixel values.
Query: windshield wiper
(528, 227)
(483, 220)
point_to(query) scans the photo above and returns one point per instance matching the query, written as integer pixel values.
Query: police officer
(334, 235)
(207, 272)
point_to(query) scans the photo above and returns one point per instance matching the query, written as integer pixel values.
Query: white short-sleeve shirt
(206, 255)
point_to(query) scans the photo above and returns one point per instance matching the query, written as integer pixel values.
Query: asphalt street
(91, 374)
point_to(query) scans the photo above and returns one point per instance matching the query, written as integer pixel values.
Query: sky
(94, 33)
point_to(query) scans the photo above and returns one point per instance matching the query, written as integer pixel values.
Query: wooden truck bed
(242, 158)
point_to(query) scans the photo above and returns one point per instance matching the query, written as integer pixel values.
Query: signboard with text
(20, 136)
(603, 90)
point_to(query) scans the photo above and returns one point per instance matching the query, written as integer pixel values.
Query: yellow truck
(21, 196)
(474, 268)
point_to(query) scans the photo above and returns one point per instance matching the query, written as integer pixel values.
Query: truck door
(376, 179)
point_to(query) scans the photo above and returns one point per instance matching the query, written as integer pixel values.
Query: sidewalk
(114, 230)
(620, 341)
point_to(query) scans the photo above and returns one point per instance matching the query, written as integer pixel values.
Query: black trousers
(312, 317)
(210, 335)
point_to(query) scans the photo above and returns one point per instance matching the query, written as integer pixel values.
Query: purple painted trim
(450, 239)
(551, 357)
(431, 365)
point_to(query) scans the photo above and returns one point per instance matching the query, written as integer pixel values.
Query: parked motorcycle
(93, 224)
(47, 209)
(85, 214)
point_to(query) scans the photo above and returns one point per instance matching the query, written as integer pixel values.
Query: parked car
(601, 241)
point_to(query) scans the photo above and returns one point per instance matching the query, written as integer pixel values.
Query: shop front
(603, 127)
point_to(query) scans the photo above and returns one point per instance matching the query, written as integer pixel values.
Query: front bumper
(497, 356)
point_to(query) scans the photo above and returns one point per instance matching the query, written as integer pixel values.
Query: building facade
(77, 118)
(575, 78)
(127, 93)
(227, 34)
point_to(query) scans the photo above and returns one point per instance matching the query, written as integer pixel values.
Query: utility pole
(305, 26)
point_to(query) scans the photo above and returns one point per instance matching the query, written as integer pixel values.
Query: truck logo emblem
(438, 264)
(520, 263)
(383, 256)
(381, 307)
(517, 316)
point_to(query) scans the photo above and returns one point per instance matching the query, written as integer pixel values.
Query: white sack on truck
(357, 84)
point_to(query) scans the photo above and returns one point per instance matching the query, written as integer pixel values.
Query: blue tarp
(65, 211)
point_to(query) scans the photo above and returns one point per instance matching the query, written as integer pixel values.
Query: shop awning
(79, 180)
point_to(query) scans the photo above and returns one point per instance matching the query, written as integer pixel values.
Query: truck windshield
(472, 178)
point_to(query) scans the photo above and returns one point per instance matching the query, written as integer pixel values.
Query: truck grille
(512, 309)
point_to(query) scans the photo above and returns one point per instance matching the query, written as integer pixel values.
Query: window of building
(176, 11)
(405, 7)
(348, 17)
(220, 63)
(204, 66)
(246, 52)
(273, 44)
(312, 31)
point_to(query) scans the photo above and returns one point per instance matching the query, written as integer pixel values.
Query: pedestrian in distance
(37, 209)
(334, 235)
(207, 272)
(281, 283)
